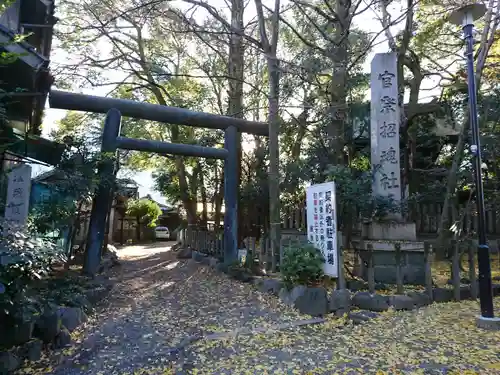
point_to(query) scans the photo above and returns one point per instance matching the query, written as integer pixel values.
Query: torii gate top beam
(153, 112)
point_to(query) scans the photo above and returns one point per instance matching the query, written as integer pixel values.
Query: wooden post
(428, 272)
(219, 244)
(196, 240)
(472, 271)
(371, 270)
(341, 284)
(399, 273)
(455, 270)
(261, 253)
(204, 244)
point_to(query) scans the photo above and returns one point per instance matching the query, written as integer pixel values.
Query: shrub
(302, 265)
(23, 261)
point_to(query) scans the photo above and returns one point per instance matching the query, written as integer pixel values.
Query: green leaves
(145, 209)
(301, 265)
(23, 261)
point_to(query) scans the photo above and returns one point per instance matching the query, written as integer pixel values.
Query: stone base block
(390, 231)
(384, 261)
(490, 324)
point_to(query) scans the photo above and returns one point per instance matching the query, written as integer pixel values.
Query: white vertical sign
(18, 195)
(384, 125)
(322, 223)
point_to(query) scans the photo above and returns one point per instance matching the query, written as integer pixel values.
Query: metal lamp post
(465, 16)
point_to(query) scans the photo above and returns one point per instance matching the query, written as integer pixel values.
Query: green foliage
(354, 192)
(302, 265)
(72, 183)
(54, 213)
(146, 210)
(23, 262)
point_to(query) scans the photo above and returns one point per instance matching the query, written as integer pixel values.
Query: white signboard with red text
(322, 223)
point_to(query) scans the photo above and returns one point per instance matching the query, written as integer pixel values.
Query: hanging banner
(321, 223)
(18, 195)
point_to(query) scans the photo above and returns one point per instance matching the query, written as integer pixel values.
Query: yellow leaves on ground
(138, 332)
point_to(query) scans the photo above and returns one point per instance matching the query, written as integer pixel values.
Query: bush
(23, 261)
(302, 265)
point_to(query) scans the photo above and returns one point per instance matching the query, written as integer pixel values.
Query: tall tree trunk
(338, 87)
(154, 87)
(274, 178)
(269, 46)
(235, 92)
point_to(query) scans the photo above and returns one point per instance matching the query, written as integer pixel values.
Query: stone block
(197, 256)
(465, 292)
(288, 297)
(222, 267)
(213, 262)
(31, 350)
(496, 289)
(420, 299)
(386, 231)
(490, 324)
(22, 332)
(413, 275)
(240, 274)
(356, 285)
(72, 317)
(185, 253)
(442, 295)
(313, 301)
(205, 260)
(388, 245)
(63, 339)
(412, 267)
(48, 326)
(340, 301)
(272, 286)
(96, 295)
(81, 301)
(372, 302)
(9, 362)
(414, 258)
(402, 302)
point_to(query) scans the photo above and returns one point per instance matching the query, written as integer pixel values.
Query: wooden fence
(426, 216)
(444, 280)
(212, 243)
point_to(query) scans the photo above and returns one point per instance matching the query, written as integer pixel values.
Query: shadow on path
(159, 301)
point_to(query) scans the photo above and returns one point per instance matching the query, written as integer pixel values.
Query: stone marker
(313, 301)
(385, 118)
(340, 301)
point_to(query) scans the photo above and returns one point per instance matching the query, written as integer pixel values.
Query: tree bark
(235, 92)
(269, 46)
(338, 86)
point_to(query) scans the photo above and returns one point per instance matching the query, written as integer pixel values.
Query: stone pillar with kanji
(382, 235)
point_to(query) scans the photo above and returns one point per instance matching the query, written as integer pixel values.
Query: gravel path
(160, 302)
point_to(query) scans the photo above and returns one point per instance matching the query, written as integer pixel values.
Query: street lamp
(465, 16)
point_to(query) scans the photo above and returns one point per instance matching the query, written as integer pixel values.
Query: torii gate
(111, 141)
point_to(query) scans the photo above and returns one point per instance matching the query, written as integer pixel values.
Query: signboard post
(18, 195)
(322, 224)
